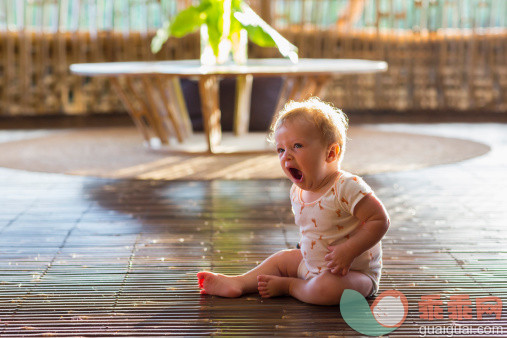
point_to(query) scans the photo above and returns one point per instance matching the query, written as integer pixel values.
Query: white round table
(152, 95)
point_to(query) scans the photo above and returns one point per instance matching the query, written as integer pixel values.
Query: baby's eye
(298, 145)
(280, 150)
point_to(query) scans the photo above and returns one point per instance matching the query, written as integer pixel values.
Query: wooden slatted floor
(92, 257)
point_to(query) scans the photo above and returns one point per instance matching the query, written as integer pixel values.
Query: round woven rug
(119, 152)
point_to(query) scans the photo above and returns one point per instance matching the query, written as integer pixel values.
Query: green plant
(224, 20)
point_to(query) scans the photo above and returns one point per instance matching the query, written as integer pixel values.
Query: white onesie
(328, 221)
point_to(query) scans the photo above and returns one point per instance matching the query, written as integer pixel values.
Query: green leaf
(259, 32)
(204, 4)
(236, 5)
(187, 21)
(258, 36)
(255, 32)
(214, 20)
(211, 12)
(214, 35)
(236, 26)
(160, 38)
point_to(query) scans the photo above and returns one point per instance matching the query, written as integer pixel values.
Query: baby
(341, 220)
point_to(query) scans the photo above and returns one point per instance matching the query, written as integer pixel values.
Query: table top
(258, 67)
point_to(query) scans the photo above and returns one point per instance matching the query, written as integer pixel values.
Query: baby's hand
(339, 258)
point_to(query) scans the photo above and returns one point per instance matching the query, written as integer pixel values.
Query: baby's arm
(375, 222)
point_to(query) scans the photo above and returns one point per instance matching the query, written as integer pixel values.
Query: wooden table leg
(307, 90)
(300, 88)
(322, 84)
(152, 118)
(291, 90)
(208, 89)
(313, 86)
(173, 112)
(295, 92)
(134, 113)
(287, 85)
(242, 104)
(176, 95)
(162, 113)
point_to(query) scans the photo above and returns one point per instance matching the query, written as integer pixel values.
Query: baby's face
(302, 154)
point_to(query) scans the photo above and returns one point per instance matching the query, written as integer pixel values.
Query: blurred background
(443, 55)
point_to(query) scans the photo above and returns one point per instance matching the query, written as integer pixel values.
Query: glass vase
(230, 51)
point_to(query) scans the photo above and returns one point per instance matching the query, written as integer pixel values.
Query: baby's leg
(324, 289)
(283, 263)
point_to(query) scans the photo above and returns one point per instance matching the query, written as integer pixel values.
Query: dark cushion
(265, 91)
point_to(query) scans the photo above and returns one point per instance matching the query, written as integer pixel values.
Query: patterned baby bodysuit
(328, 221)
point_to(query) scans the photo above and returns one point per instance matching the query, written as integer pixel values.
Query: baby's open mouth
(296, 174)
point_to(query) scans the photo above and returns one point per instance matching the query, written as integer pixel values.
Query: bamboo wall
(457, 63)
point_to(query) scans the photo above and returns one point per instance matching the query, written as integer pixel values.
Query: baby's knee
(288, 254)
(288, 261)
(326, 292)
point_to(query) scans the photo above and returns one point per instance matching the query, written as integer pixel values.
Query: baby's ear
(332, 152)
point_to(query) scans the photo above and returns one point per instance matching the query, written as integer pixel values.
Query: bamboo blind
(442, 54)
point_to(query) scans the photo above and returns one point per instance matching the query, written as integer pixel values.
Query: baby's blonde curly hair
(331, 122)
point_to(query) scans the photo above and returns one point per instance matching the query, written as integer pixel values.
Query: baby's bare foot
(272, 286)
(218, 284)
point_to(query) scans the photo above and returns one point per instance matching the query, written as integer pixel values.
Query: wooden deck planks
(92, 257)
